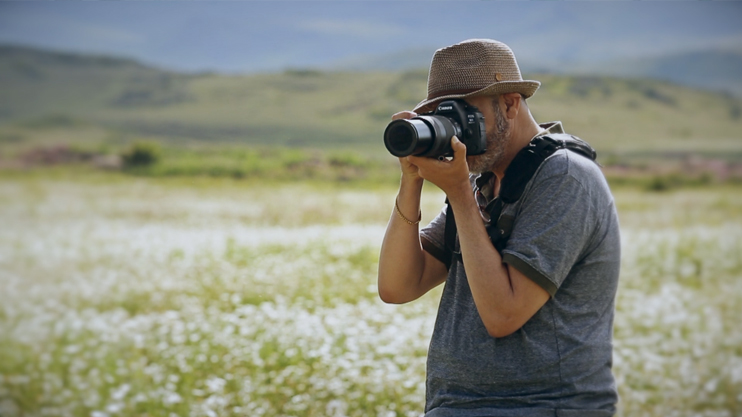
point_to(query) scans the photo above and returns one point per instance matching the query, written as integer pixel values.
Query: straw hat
(475, 67)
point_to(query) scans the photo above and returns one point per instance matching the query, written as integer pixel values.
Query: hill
(719, 69)
(38, 82)
(43, 91)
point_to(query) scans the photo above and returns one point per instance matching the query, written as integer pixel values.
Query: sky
(248, 36)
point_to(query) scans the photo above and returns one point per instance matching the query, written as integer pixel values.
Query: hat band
(451, 92)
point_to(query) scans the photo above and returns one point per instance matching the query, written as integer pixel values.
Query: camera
(430, 134)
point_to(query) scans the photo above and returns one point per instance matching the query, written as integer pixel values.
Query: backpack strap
(517, 175)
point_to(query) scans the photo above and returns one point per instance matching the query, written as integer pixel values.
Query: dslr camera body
(430, 134)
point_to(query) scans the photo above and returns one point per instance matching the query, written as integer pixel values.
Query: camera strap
(517, 175)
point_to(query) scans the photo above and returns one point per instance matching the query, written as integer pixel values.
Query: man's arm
(406, 271)
(505, 298)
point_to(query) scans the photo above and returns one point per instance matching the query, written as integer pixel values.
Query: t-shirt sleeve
(551, 230)
(432, 236)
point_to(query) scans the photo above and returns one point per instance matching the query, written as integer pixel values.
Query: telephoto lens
(421, 136)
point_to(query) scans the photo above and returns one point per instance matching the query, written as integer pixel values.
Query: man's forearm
(484, 268)
(500, 292)
(402, 262)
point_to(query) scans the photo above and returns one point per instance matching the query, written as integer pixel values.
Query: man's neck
(521, 136)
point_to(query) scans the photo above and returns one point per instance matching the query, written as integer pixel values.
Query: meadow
(207, 244)
(198, 296)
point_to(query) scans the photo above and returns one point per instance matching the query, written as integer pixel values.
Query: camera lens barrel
(407, 137)
(421, 136)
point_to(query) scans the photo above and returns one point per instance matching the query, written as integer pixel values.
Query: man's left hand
(451, 176)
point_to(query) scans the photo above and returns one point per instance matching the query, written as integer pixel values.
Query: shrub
(141, 154)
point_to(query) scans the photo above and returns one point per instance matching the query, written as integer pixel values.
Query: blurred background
(193, 195)
(635, 79)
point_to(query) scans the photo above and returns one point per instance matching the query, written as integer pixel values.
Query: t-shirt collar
(483, 181)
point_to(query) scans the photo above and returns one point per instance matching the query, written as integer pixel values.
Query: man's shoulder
(569, 165)
(565, 176)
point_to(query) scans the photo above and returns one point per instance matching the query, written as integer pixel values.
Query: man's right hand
(406, 271)
(409, 170)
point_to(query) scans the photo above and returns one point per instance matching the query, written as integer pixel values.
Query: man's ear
(512, 104)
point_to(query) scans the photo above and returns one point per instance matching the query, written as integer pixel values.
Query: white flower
(215, 384)
(171, 398)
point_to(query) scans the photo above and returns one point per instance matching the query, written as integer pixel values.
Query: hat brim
(527, 88)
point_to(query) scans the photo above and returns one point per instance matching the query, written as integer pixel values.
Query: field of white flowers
(157, 298)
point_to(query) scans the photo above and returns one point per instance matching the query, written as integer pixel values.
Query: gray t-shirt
(566, 239)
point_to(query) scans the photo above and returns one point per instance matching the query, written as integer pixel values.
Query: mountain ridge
(717, 69)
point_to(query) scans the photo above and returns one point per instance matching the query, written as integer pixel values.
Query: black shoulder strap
(449, 237)
(517, 175)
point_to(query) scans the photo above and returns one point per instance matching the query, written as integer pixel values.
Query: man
(524, 332)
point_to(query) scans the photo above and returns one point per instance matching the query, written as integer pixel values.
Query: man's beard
(497, 141)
